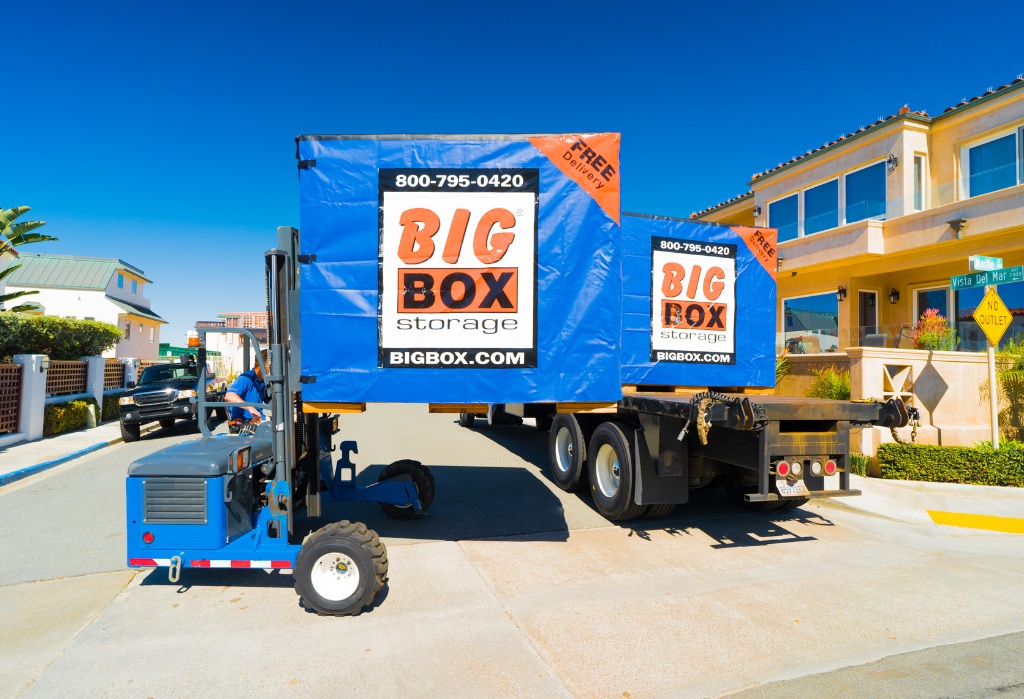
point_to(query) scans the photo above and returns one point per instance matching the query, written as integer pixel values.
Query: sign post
(993, 317)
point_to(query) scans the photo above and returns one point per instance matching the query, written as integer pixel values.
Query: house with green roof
(92, 288)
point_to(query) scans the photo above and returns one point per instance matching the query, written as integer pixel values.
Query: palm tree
(15, 234)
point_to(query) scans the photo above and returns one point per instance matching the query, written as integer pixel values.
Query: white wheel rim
(335, 576)
(607, 471)
(563, 450)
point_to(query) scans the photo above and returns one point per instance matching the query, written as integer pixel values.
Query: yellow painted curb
(1010, 525)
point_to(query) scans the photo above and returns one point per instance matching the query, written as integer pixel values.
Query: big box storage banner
(460, 269)
(698, 303)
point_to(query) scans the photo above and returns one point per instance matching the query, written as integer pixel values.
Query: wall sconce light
(957, 224)
(757, 210)
(894, 296)
(841, 293)
(892, 162)
(44, 364)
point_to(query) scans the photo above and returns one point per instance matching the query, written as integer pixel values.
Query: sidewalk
(28, 458)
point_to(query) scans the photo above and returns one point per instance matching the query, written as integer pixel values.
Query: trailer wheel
(422, 479)
(340, 569)
(467, 419)
(735, 492)
(131, 433)
(793, 503)
(167, 423)
(610, 467)
(567, 452)
(655, 511)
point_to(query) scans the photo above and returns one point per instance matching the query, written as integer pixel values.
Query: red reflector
(782, 468)
(149, 562)
(147, 537)
(830, 467)
(280, 564)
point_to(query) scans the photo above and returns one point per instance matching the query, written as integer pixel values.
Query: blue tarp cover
(461, 269)
(698, 303)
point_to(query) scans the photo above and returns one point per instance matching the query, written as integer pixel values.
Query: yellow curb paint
(1010, 525)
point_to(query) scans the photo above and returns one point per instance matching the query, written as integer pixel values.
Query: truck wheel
(567, 452)
(793, 503)
(655, 511)
(422, 479)
(130, 433)
(735, 492)
(167, 423)
(610, 467)
(195, 424)
(340, 569)
(544, 422)
(466, 419)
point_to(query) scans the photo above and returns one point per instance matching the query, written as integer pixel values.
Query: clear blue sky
(162, 133)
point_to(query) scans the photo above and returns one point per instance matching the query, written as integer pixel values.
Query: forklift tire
(466, 419)
(656, 511)
(422, 479)
(735, 492)
(610, 467)
(567, 453)
(167, 424)
(340, 569)
(131, 433)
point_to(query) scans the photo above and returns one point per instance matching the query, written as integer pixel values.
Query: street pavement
(510, 587)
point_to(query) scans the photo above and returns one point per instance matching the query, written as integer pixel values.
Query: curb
(15, 476)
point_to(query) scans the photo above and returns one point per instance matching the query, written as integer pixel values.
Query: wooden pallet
(471, 408)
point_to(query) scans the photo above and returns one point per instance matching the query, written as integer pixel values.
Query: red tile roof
(722, 205)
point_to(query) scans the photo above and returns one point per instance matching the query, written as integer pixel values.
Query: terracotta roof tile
(722, 205)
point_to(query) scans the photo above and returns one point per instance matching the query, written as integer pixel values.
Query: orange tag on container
(763, 242)
(589, 160)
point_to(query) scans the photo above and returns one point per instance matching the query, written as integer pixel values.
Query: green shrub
(781, 367)
(932, 332)
(57, 338)
(66, 417)
(980, 465)
(111, 410)
(859, 463)
(830, 382)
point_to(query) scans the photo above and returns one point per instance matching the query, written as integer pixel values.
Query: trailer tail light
(148, 538)
(796, 468)
(782, 468)
(830, 468)
(816, 468)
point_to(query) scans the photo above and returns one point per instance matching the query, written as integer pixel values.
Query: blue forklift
(231, 501)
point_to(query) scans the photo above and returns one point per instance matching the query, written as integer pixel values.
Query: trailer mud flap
(660, 462)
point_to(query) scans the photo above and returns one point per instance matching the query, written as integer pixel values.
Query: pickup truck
(165, 393)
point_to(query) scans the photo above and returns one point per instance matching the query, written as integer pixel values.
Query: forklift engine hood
(203, 458)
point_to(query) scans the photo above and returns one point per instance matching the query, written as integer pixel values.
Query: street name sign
(992, 316)
(987, 278)
(980, 263)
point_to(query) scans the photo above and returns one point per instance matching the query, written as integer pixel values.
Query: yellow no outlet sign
(993, 316)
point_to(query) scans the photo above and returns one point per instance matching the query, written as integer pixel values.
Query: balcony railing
(969, 338)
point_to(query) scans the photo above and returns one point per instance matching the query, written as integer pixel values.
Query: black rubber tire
(195, 423)
(131, 433)
(735, 492)
(358, 543)
(793, 503)
(656, 511)
(619, 505)
(544, 422)
(167, 423)
(467, 419)
(567, 453)
(422, 479)
(222, 413)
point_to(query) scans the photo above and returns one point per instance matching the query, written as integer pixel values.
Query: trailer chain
(699, 405)
(914, 424)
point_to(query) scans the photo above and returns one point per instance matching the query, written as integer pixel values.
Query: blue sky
(163, 133)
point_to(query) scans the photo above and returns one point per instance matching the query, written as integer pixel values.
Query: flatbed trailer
(643, 455)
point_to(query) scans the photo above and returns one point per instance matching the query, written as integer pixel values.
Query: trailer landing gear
(340, 569)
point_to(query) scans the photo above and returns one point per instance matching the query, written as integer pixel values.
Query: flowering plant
(932, 332)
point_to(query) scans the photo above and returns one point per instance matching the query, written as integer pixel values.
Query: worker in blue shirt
(247, 388)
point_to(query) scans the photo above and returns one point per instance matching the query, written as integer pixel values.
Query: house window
(120, 281)
(937, 298)
(140, 328)
(811, 323)
(865, 193)
(784, 215)
(992, 165)
(821, 207)
(135, 286)
(128, 330)
(918, 183)
(152, 332)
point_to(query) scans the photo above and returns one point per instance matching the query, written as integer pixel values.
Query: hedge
(980, 465)
(111, 408)
(57, 338)
(66, 417)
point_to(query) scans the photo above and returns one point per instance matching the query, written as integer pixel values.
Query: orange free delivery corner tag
(591, 160)
(763, 242)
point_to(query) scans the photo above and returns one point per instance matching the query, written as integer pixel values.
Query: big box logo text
(457, 284)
